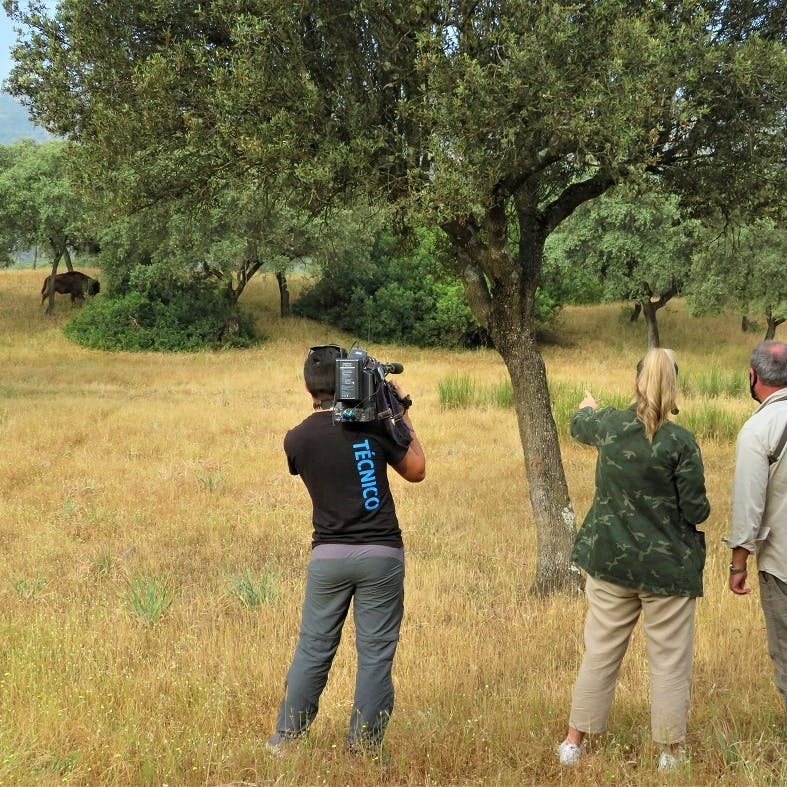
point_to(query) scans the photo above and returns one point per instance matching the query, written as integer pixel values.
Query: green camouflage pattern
(640, 531)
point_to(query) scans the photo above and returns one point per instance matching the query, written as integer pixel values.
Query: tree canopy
(494, 119)
(743, 266)
(636, 243)
(38, 205)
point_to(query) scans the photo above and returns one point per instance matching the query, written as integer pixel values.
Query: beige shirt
(759, 492)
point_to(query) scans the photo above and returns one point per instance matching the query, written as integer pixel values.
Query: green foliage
(500, 395)
(149, 598)
(38, 203)
(456, 391)
(710, 420)
(27, 589)
(565, 398)
(210, 482)
(742, 266)
(194, 319)
(716, 383)
(566, 281)
(627, 244)
(707, 419)
(253, 591)
(396, 295)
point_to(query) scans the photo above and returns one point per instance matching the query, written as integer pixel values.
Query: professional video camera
(363, 394)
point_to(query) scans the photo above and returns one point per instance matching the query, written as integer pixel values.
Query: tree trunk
(284, 295)
(553, 513)
(51, 302)
(250, 265)
(649, 309)
(67, 259)
(772, 324)
(635, 312)
(745, 325)
(501, 293)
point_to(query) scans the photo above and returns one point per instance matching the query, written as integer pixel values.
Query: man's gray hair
(769, 361)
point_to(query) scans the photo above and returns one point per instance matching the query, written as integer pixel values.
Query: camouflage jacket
(640, 531)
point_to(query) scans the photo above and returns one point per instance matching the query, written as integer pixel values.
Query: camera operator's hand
(404, 399)
(413, 466)
(395, 386)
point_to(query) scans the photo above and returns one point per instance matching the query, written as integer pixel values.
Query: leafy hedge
(198, 318)
(397, 295)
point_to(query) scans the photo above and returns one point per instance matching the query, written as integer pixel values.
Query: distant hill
(15, 124)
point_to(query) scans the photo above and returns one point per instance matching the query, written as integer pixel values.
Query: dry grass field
(154, 548)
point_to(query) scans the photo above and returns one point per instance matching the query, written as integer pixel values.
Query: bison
(75, 283)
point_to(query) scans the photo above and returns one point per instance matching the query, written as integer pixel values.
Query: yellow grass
(169, 468)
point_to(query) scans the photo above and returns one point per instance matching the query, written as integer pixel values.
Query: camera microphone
(392, 368)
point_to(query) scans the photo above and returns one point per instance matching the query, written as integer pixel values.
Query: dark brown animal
(74, 283)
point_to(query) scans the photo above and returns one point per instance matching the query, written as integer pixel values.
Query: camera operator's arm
(413, 466)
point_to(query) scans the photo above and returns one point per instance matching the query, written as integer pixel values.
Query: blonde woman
(642, 553)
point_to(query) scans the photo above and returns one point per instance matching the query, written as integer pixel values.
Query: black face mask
(752, 383)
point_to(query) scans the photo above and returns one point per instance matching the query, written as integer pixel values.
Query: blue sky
(8, 38)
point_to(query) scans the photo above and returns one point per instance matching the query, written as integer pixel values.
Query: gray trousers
(375, 585)
(773, 597)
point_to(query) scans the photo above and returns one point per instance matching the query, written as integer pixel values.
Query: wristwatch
(737, 569)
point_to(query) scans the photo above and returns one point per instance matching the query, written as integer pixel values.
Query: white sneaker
(569, 753)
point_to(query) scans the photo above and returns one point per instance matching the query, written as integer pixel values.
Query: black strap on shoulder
(773, 457)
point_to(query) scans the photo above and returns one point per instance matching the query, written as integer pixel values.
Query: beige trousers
(668, 622)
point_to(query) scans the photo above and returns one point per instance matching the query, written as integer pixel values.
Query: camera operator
(357, 555)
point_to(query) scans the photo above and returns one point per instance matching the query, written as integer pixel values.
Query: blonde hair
(657, 388)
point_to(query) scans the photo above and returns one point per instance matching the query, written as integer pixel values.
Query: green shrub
(717, 382)
(254, 591)
(456, 391)
(196, 318)
(399, 294)
(404, 292)
(149, 598)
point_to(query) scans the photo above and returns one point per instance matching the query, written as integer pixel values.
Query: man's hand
(738, 584)
(737, 577)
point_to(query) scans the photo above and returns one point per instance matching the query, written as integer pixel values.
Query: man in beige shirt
(759, 499)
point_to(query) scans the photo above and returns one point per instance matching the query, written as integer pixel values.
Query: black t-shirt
(345, 470)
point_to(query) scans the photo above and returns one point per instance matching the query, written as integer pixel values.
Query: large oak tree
(494, 119)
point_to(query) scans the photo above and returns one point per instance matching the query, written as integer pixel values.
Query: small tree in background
(637, 245)
(38, 205)
(744, 267)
